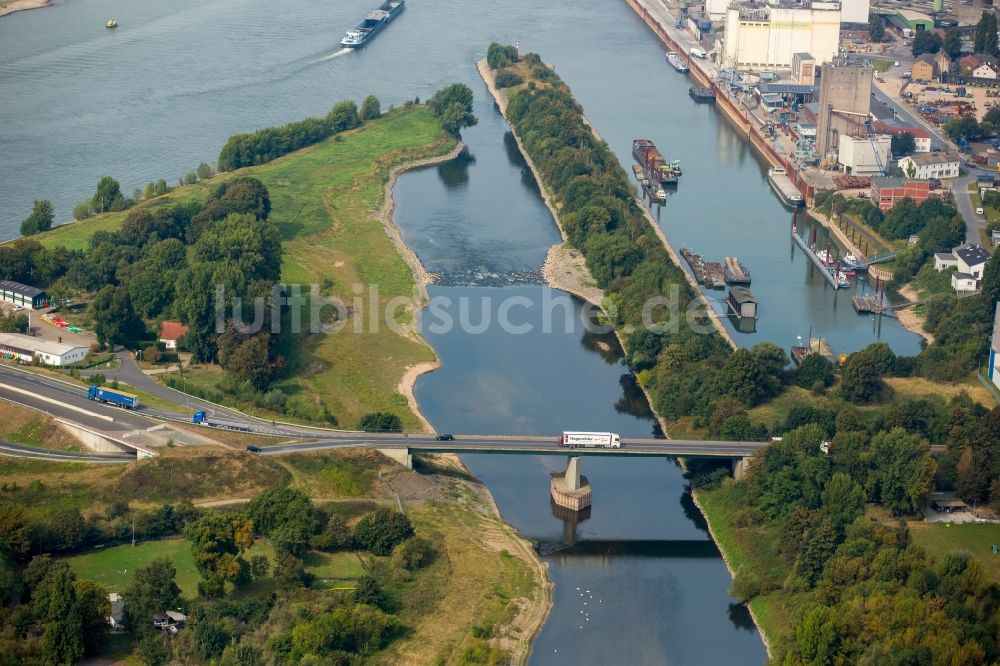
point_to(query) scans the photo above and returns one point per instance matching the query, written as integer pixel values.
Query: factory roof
(787, 88)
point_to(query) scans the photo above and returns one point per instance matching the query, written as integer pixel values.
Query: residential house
(985, 71)
(924, 68)
(968, 63)
(969, 261)
(930, 165)
(887, 192)
(171, 332)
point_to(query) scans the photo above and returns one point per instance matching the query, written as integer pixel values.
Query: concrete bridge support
(401, 455)
(571, 490)
(740, 466)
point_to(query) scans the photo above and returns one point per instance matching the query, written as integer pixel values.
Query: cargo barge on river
(736, 273)
(373, 24)
(677, 62)
(702, 94)
(784, 187)
(710, 274)
(656, 169)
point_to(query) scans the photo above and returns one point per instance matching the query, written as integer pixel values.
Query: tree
(963, 127)
(903, 144)
(204, 171)
(153, 588)
(250, 361)
(83, 210)
(94, 611)
(190, 178)
(149, 191)
(161, 187)
(876, 28)
(819, 545)
(815, 372)
(816, 638)
(903, 470)
(453, 106)
(290, 572)
(55, 603)
(370, 109)
(381, 530)
(115, 321)
(40, 219)
(380, 422)
(985, 40)
(991, 280)
(749, 377)
(343, 116)
(15, 528)
(952, 44)
(335, 535)
(499, 55)
(860, 381)
(67, 528)
(843, 500)
(108, 195)
(260, 566)
(369, 592)
(153, 651)
(925, 41)
(217, 540)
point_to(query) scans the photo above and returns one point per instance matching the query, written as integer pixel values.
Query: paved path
(12, 450)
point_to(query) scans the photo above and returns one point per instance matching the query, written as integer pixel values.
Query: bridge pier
(740, 466)
(571, 490)
(401, 455)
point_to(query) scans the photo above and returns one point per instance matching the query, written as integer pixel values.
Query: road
(17, 451)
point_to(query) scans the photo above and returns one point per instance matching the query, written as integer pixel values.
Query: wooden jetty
(736, 273)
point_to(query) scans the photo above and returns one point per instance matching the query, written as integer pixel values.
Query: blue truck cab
(198, 418)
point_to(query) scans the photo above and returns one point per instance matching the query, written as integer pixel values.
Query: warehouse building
(24, 348)
(23, 295)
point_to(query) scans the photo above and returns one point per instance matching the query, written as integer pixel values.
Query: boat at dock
(639, 175)
(813, 346)
(702, 94)
(784, 187)
(837, 278)
(373, 24)
(656, 169)
(677, 62)
(742, 303)
(710, 274)
(736, 273)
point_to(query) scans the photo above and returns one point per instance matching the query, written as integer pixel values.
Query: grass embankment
(325, 201)
(750, 551)
(22, 425)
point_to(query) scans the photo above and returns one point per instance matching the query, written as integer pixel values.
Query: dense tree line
(266, 144)
(865, 593)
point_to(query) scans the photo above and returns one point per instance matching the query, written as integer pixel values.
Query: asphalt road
(18, 451)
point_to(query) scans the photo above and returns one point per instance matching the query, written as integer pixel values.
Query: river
(162, 93)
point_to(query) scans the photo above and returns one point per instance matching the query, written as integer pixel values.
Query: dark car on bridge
(253, 449)
(445, 437)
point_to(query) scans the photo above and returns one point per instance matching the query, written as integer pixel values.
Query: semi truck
(201, 418)
(113, 397)
(590, 440)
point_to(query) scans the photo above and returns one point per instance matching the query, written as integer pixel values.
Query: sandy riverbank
(909, 319)
(11, 6)
(421, 278)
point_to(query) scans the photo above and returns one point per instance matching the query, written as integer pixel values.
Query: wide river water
(164, 91)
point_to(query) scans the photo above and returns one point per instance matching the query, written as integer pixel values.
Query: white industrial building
(763, 36)
(930, 165)
(17, 347)
(854, 11)
(864, 156)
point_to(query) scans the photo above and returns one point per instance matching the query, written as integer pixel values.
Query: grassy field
(940, 539)
(324, 202)
(114, 567)
(22, 425)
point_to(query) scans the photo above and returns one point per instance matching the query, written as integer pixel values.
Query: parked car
(445, 437)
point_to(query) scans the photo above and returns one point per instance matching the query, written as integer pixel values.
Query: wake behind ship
(374, 23)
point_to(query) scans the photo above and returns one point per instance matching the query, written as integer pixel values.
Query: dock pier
(828, 273)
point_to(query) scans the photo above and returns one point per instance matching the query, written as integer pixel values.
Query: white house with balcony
(929, 165)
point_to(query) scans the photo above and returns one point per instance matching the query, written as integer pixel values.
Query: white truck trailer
(590, 440)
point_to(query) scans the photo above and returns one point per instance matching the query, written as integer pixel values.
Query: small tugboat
(112, 23)
(701, 94)
(676, 62)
